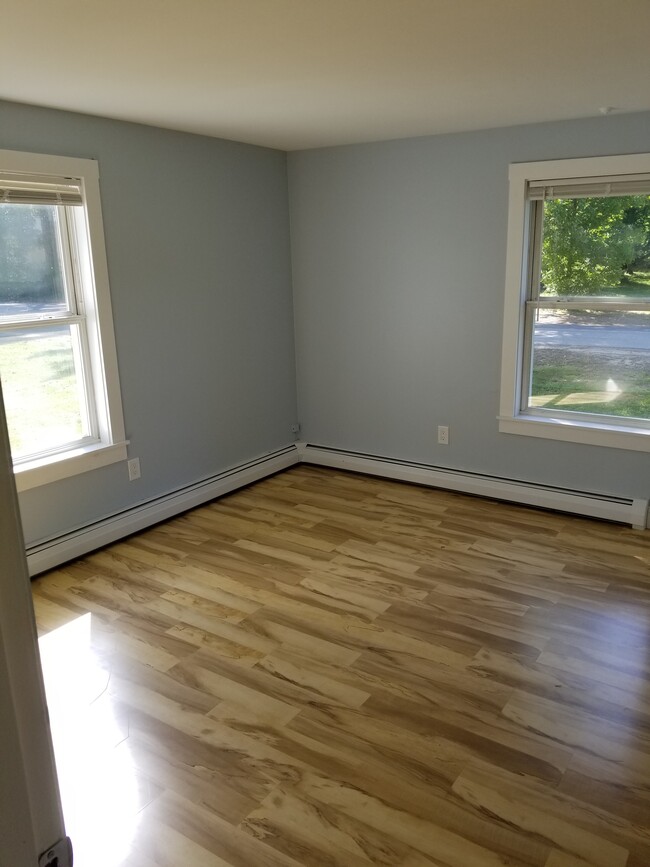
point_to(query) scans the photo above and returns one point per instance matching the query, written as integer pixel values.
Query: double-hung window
(58, 362)
(576, 350)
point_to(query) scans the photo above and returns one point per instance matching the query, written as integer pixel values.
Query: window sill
(585, 433)
(33, 474)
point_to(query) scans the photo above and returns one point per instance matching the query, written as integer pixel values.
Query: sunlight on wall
(98, 781)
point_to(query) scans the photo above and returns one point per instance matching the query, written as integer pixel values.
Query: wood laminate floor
(332, 670)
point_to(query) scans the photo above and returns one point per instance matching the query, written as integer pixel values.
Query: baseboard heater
(52, 552)
(47, 554)
(608, 508)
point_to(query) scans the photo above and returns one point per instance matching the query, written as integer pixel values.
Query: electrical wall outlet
(443, 435)
(295, 428)
(134, 469)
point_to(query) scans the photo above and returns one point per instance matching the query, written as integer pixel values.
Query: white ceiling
(304, 73)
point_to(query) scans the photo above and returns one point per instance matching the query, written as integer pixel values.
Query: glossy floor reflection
(99, 785)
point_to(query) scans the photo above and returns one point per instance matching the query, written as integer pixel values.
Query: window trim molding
(511, 418)
(42, 471)
(112, 445)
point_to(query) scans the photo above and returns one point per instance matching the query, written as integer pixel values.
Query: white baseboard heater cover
(608, 508)
(50, 553)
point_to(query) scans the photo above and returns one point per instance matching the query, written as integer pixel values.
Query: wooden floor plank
(331, 670)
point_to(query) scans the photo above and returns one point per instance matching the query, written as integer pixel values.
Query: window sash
(65, 227)
(533, 301)
(73, 315)
(531, 309)
(84, 384)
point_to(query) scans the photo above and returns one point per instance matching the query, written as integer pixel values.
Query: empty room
(326, 405)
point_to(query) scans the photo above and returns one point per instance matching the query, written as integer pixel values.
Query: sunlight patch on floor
(98, 781)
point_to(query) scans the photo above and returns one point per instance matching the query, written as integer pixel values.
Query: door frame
(31, 818)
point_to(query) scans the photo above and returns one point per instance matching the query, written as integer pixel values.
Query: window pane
(592, 362)
(596, 246)
(42, 384)
(32, 277)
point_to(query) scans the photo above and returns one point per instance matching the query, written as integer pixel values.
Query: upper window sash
(67, 249)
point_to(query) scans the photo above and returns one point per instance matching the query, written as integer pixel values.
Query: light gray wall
(198, 254)
(398, 269)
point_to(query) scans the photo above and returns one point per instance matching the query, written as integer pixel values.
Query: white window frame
(512, 418)
(110, 444)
